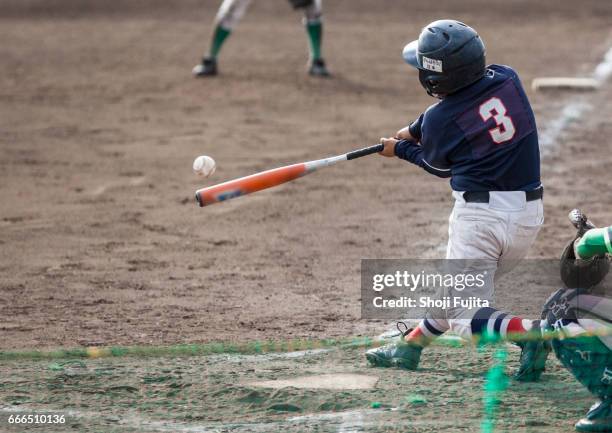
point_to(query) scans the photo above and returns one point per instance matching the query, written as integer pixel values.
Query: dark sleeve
(415, 128)
(412, 152)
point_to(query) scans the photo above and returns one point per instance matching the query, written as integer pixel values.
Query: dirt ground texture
(101, 242)
(216, 394)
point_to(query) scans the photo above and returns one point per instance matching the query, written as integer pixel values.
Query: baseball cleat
(533, 358)
(598, 419)
(400, 355)
(207, 68)
(317, 68)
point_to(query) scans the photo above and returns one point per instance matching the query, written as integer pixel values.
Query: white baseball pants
(231, 11)
(499, 232)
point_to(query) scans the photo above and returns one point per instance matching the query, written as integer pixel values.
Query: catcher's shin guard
(589, 361)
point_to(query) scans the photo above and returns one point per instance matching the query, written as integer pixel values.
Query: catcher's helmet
(582, 274)
(449, 56)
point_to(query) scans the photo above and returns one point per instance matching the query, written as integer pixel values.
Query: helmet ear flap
(429, 81)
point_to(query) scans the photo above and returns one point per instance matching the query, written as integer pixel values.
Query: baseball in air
(204, 166)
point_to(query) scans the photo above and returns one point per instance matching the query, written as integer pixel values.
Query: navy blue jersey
(483, 137)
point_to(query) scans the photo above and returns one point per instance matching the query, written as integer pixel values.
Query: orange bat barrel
(267, 179)
(248, 184)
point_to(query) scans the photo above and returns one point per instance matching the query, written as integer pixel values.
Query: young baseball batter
(230, 13)
(482, 135)
(581, 316)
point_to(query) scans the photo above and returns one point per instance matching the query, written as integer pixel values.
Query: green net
(246, 386)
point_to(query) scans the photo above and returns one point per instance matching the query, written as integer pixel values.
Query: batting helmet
(582, 274)
(449, 56)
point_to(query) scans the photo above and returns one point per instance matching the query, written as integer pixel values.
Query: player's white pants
(231, 11)
(499, 232)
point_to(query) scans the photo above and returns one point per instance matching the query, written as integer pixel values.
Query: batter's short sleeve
(435, 155)
(441, 139)
(412, 152)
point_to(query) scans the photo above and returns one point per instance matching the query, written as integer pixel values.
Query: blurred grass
(253, 347)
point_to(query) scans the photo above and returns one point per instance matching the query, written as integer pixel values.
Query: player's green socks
(218, 38)
(315, 35)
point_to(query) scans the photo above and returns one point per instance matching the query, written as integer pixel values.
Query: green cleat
(317, 68)
(598, 419)
(208, 68)
(400, 355)
(533, 359)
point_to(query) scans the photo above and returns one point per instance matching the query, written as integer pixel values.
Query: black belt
(483, 196)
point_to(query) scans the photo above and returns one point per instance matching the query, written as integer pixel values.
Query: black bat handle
(365, 151)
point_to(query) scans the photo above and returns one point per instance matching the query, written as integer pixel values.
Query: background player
(482, 135)
(582, 312)
(230, 13)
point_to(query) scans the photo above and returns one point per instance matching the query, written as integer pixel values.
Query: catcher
(581, 316)
(230, 13)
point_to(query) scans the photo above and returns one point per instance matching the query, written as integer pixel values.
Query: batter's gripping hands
(389, 146)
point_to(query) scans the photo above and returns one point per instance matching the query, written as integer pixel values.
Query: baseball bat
(267, 179)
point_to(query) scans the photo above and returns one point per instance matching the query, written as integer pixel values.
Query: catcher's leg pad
(589, 361)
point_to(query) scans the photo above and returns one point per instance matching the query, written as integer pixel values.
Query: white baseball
(204, 166)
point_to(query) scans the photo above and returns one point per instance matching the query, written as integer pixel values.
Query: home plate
(322, 381)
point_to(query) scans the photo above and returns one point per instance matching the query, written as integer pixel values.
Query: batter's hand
(389, 144)
(404, 134)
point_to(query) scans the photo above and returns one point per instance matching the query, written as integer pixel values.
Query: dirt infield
(217, 394)
(100, 241)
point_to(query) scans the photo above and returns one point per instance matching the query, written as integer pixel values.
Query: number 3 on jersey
(495, 108)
